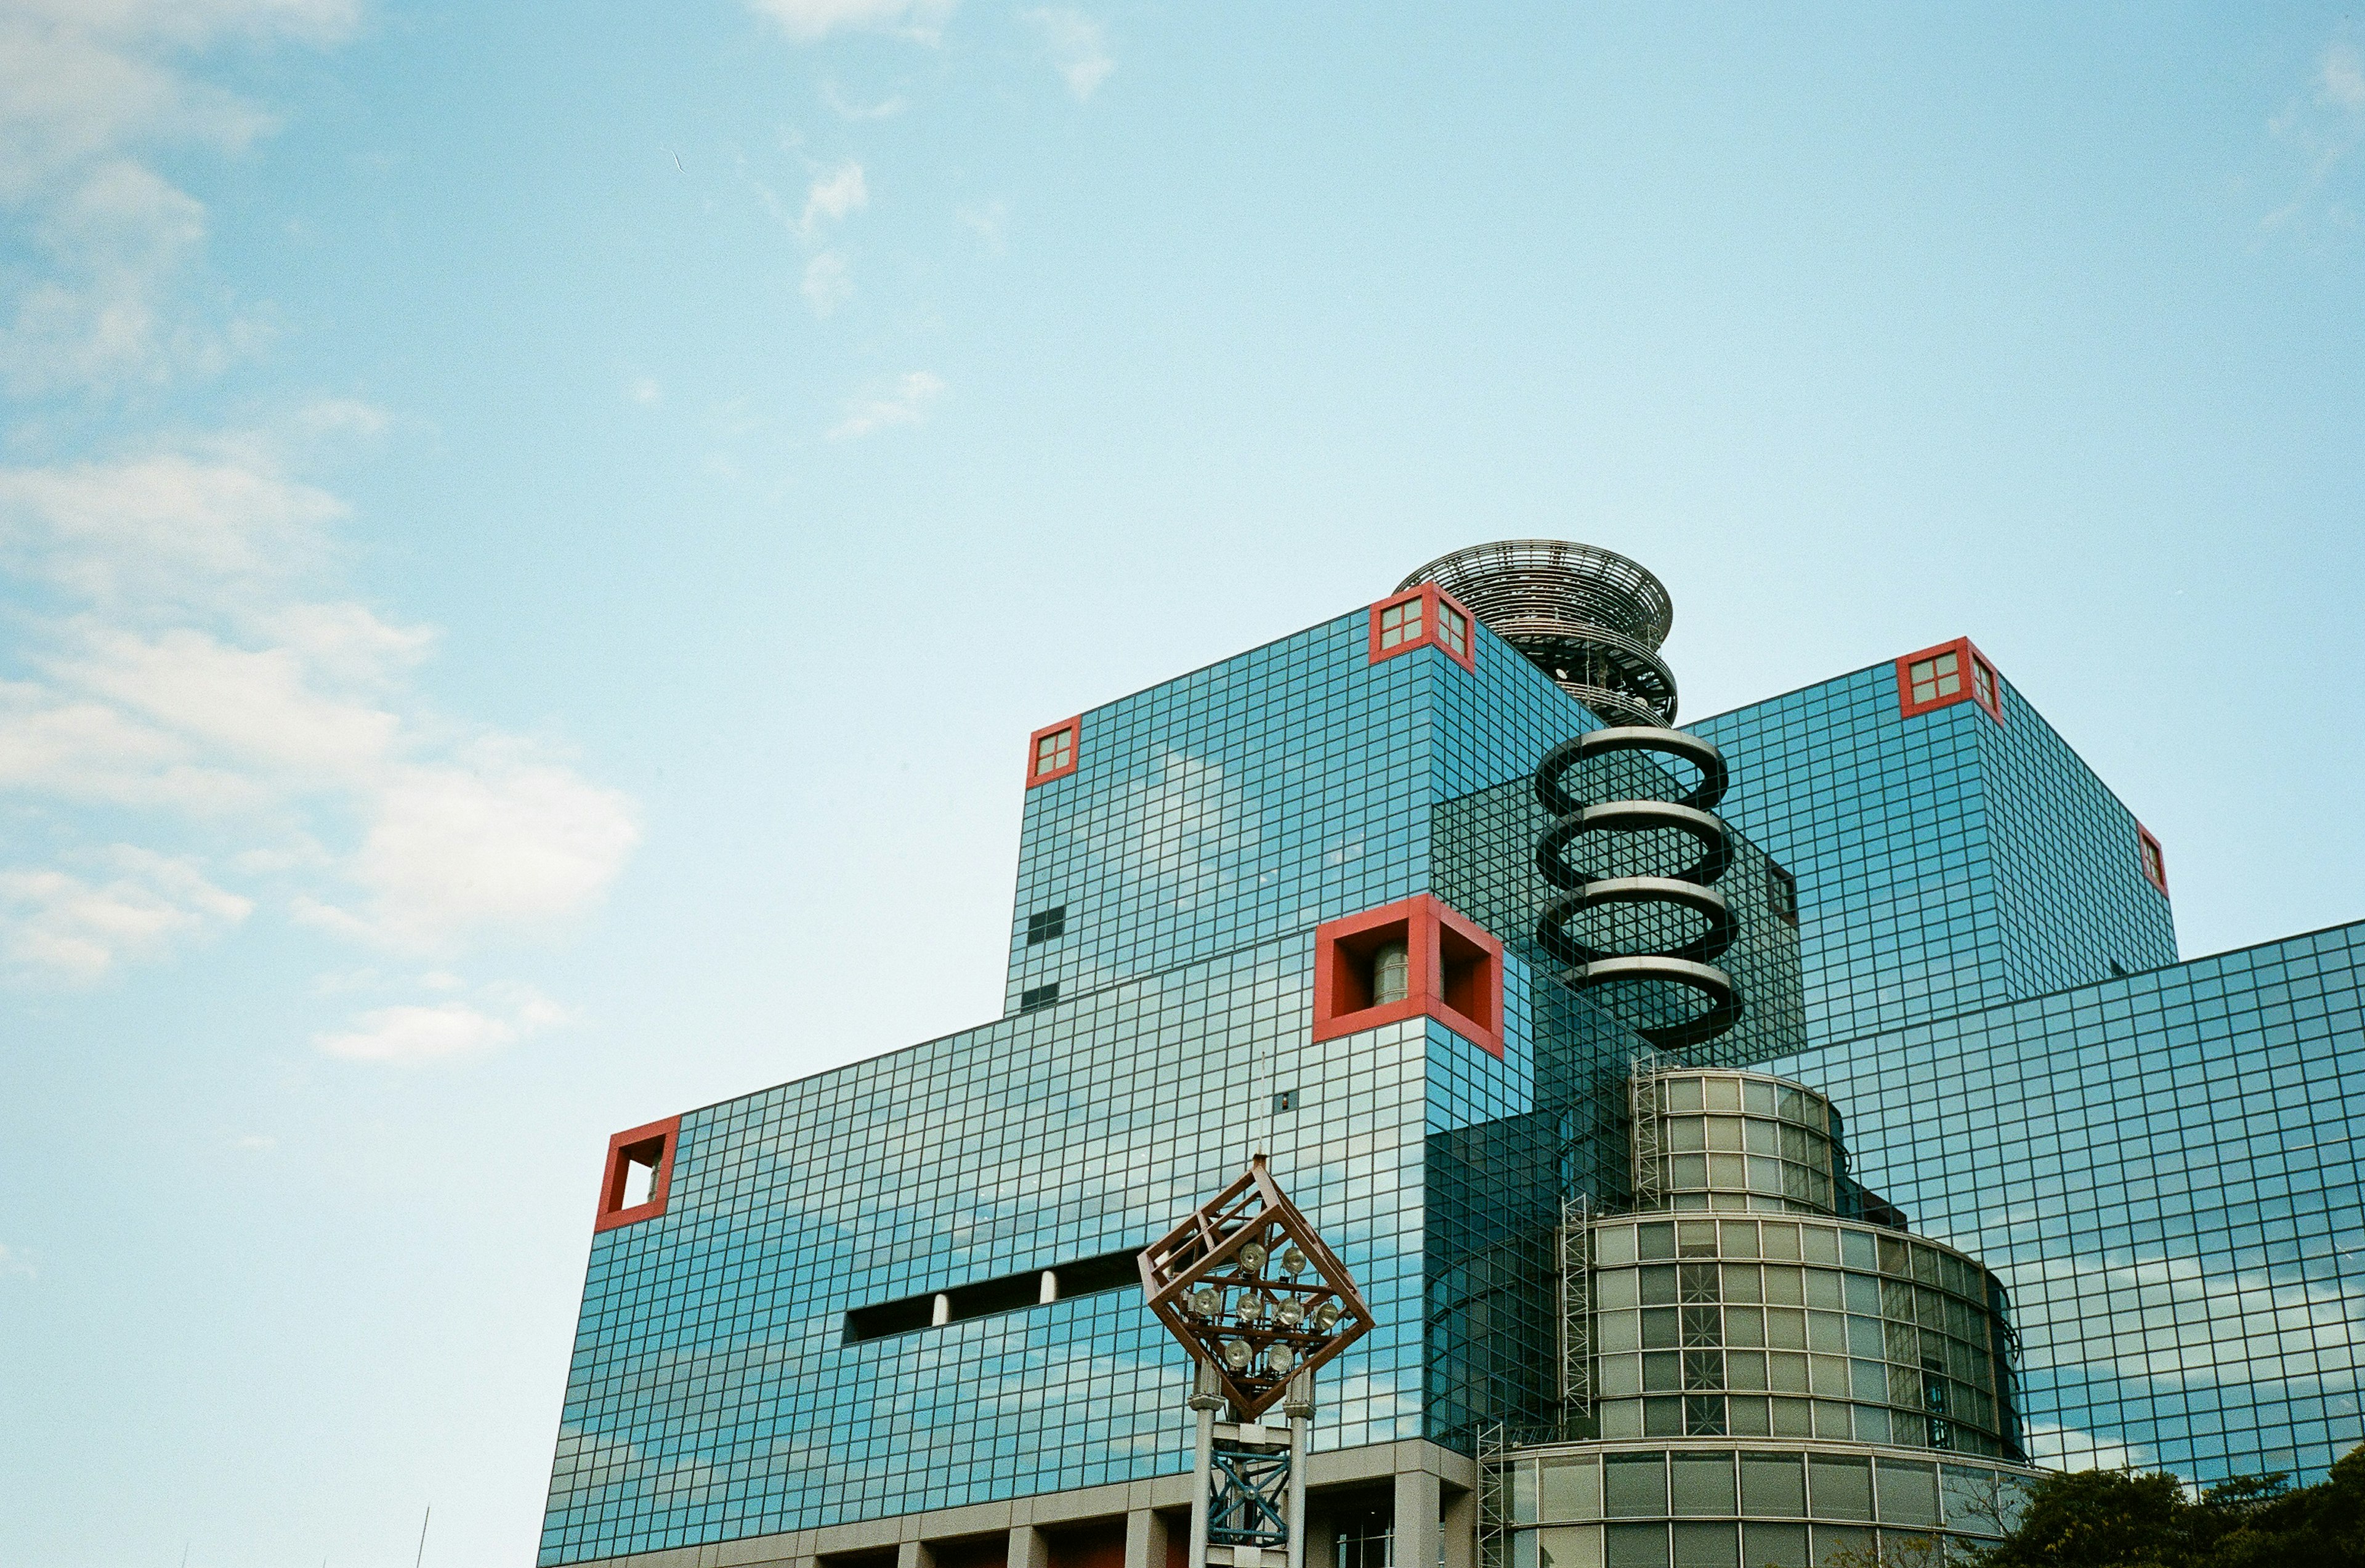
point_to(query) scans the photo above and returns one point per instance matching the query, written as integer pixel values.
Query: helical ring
(1689, 965)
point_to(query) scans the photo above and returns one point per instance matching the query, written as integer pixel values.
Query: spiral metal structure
(1691, 965)
(1589, 617)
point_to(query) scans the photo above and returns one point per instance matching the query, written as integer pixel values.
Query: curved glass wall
(1834, 1330)
(1764, 1505)
(1731, 1140)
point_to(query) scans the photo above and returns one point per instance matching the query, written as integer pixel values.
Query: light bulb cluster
(1288, 1317)
(1247, 1286)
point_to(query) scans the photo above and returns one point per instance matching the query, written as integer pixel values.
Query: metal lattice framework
(1575, 1308)
(1248, 1505)
(1650, 1170)
(1589, 617)
(1253, 1292)
(1493, 1497)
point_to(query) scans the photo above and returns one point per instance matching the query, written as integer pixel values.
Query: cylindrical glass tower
(1749, 1376)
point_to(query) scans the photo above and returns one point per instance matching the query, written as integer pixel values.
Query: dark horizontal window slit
(986, 1298)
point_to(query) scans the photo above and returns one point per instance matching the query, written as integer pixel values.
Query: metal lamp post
(1260, 1304)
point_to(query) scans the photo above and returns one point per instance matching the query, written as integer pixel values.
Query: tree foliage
(2105, 1519)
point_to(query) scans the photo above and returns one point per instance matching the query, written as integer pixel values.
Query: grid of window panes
(714, 1395)
(1211, 823)
(1400, 624)
(1944, 862)
(2164, 1170)
(1938, 676)
(1750, 1328)
(1288, 785)
(1734, 1142)
(1485, 867)
(1763, 1507)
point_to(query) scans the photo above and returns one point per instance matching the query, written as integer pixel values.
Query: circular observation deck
(1588, 617)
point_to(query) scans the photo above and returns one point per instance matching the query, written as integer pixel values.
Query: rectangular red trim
(654, 1143)
(1456, 972)
(1972, 679)
(2151, 858)
(1432, 600)
(1036, 774)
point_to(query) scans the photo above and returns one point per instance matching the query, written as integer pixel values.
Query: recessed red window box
(2152, 860)
(1446, 967)
(1950, 673)
(1424, 617)
(639, 1174)
(1052, 751)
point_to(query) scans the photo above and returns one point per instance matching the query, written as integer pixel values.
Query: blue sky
(533, 537)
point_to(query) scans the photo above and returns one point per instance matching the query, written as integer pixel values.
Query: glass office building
(888, 1311)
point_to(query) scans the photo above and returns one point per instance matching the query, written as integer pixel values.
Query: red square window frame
(1430, 597)
(1967, 655)
(1456, 972)
(620, 1149)
(1075, 750)
(2145, 840)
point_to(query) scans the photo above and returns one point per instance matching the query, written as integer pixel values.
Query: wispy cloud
(2325, 125)
(411, 1035)
(191, 671)
(210, 723)
(60, 927)
(846, 108)
(15, 1263)
(86, 92)
(988, 220)
(807, 21)
(833, 196)
(1079, 46)
(907, 405)
(828, 283)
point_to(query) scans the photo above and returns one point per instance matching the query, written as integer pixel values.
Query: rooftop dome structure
(1590, 617)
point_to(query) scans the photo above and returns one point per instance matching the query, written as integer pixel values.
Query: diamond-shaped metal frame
(1205, 1250)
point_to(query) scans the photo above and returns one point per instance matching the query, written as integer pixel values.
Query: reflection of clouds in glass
(2066, 1447)
(970, 1158)
(1171, 837)
(2183, 1322)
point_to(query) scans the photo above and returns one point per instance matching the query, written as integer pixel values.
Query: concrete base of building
(1430, 1493)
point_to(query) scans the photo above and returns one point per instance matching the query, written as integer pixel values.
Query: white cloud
(2326, 127)
(2341, 79)
(183, 670)
(114, 244)
(15, 1263)
(87, 87)
(905, 406)
(846, 108)
(254, 1143)
(645, 391)
(409, 1035)
(1079, 47)
(807, 21)
(58, 927)
(829, 282)
(342, 416)
(500, 836)
(170, 525)
(187, 675)
(833, 196)
(988, 220)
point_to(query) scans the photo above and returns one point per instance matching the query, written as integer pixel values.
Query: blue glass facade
(2165, 1172)
(1946, 861)
(1211, 822)
(1158, 1026)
